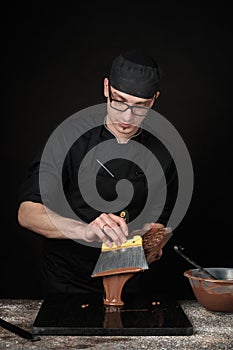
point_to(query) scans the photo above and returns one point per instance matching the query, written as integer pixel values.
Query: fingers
(111, 228)
(120, 222)
(153, 257)
(154, 240)
(150, 225)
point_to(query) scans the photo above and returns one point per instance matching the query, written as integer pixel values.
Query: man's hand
(107, 228)
(149, 241)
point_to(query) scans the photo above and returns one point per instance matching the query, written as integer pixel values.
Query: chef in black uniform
(69, 256)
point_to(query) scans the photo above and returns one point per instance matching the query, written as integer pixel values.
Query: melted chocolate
(212, 300)
(214, 295)
(113, 285)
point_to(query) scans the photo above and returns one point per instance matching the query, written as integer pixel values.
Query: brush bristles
(122, 258)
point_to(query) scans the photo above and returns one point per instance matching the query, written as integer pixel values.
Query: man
(69, 258)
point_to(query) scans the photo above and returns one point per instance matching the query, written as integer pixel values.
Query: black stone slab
(86, 315)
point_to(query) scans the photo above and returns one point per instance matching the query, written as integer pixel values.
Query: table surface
(212, 330)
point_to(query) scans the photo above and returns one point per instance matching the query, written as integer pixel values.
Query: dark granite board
(67, 315)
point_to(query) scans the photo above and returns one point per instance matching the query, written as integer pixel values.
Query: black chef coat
(66, 264)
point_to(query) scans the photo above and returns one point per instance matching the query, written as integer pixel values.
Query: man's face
(122, 119)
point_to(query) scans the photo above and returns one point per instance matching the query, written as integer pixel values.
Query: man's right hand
(106, 228)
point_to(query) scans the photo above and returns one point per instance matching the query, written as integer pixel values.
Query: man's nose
(128, 115)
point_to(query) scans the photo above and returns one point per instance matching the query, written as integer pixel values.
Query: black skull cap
(135, 73)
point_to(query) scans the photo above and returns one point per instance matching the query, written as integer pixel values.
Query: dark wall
(54, 62)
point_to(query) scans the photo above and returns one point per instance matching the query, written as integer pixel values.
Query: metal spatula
(17, 330)
(179, 250)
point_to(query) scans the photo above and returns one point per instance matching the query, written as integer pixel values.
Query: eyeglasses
(123, 106)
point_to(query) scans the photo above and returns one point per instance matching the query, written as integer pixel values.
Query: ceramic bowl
(214, 295)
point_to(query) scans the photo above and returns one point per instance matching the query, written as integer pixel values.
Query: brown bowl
(214, 295)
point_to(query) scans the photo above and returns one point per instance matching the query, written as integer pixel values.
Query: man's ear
(157, 94)
(106, 90)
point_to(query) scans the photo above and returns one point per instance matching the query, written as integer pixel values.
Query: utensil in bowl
(204, 272)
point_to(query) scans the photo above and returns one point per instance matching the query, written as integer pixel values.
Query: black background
(54, 62)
